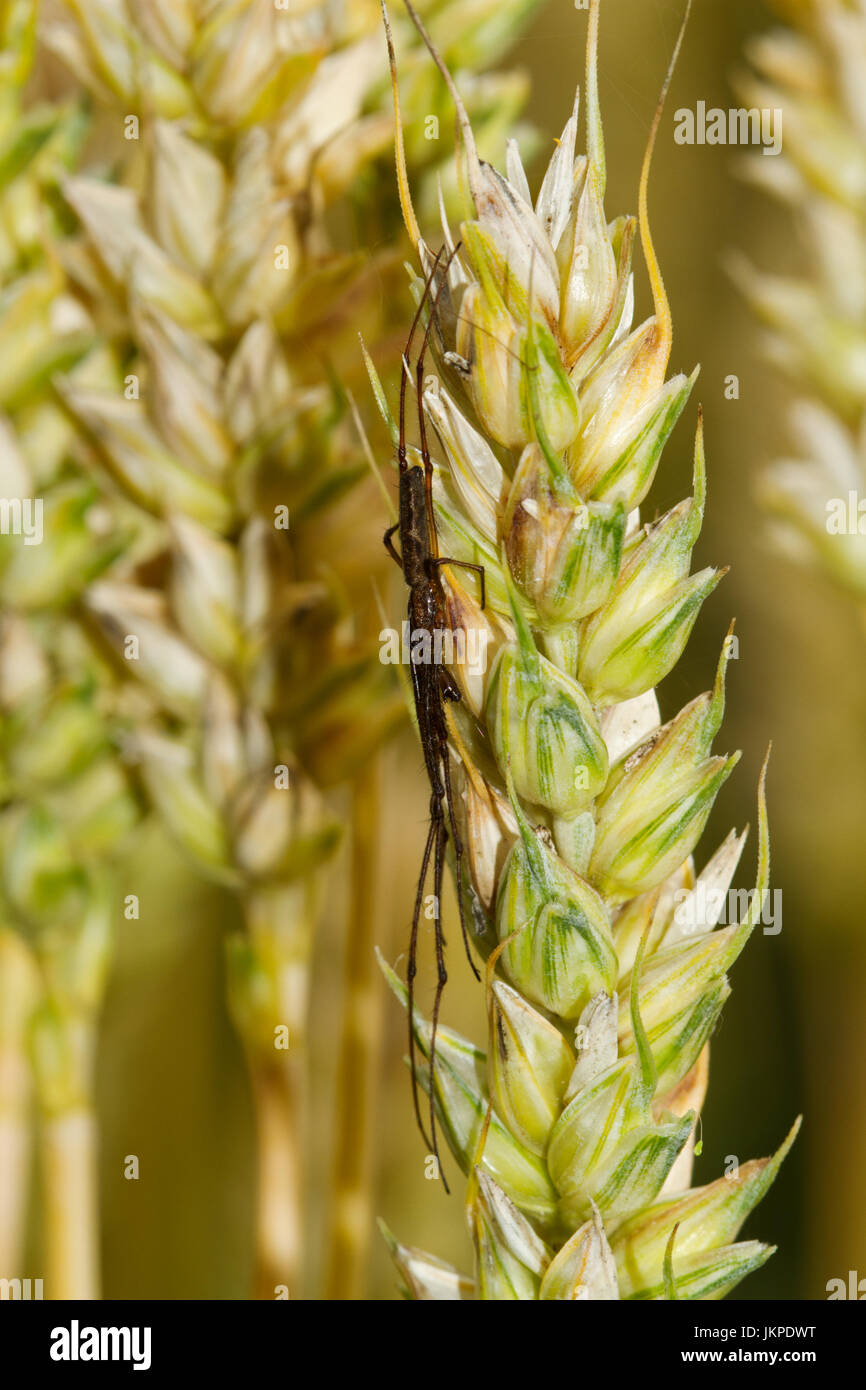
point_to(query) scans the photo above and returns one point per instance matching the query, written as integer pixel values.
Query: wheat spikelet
(607, 966)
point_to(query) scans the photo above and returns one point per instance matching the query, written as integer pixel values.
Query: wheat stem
(15, 1156)
(277, 1087)
(18, 987)
(351, 1210)
(268, 993)
(69, 1151)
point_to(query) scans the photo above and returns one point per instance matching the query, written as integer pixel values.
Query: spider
(432, 684)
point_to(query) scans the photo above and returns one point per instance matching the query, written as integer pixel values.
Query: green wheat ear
(581, 809)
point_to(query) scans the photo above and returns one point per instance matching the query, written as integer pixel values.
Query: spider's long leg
(389, 544)
(438, 819)
(401, 448)
(458, 856)
(410, 978)
(419, 380)
(465, 565)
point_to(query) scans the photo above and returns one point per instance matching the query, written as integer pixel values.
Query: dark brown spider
(432, 684)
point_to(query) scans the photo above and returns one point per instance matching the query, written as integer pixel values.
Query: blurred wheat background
(172, 1085)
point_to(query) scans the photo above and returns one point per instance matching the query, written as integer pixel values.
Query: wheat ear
(607, 970)
(815, 324)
